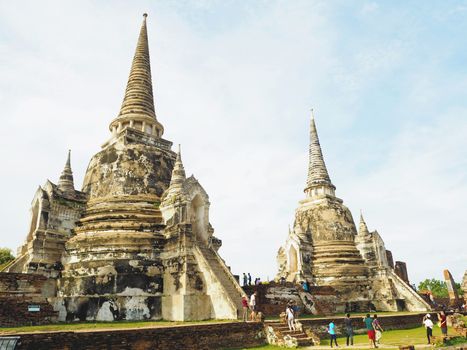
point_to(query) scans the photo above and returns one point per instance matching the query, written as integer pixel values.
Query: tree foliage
(437, 287)
(5, 255)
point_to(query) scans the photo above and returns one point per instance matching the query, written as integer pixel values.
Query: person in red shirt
(245, 308)
(443, 323)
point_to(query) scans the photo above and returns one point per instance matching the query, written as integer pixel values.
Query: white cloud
(414, 199)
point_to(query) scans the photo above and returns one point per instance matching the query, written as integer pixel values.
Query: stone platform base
(205, 336)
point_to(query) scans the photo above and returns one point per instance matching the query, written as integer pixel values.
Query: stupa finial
(178, 172)
(137, 110)
(65, 183)
(317, 172)
(363, 228)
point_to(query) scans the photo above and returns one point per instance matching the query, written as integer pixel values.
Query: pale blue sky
(234, 82)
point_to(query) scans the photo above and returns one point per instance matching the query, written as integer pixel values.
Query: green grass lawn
(101, 325)
(390, 340)
(395, 338)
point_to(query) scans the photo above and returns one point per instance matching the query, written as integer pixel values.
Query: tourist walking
(348, 330)
(370, 330)
(443, 323)
(332, 333)
(428, 323)
(245, 308)
(378, 329)
(253, 306)
(290, 317)
(245, 279)
(249, 279)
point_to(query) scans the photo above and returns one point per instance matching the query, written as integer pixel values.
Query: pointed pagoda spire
(363, 228)
(65, 183)
(318, 176)
(178, 172)
(137, 110)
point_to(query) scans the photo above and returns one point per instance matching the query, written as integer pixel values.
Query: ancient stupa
(324, 248)
(136, 242)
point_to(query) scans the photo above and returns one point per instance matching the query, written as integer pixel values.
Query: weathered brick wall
(319, 326)
(17, 292)
(273, 297)
(12, 283)
(211, 336)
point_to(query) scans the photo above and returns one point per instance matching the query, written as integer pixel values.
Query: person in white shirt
(290, 318)
(428, 323)
(253, 306)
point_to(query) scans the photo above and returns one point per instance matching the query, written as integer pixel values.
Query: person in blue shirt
(332, 333)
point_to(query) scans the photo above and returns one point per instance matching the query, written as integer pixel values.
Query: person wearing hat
(428, 323)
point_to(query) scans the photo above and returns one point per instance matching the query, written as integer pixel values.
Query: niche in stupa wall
(63, 216)
(195, 280)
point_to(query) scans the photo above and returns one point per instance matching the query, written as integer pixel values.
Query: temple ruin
(324, 248)
(136, 242)
(464, 287)
(454, 300)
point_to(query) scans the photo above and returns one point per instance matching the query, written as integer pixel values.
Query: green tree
(437, 287)
(5, 256)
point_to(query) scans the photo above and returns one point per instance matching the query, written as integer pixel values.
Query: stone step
(301, 336)
(275, 324)
(283, 329)
(294, 333)
(305, 342)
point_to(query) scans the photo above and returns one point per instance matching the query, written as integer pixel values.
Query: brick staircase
(282, 329)
(224, 276)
